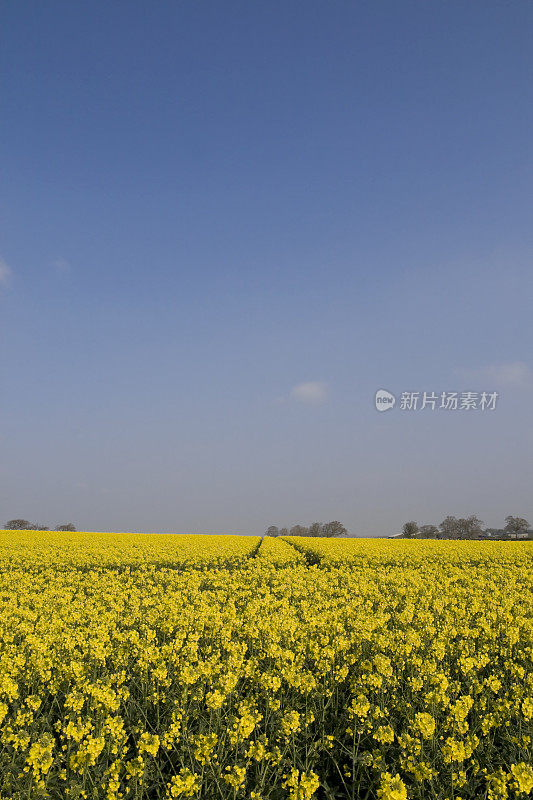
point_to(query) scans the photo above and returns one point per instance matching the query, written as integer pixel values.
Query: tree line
(334, 528)
(460, 528)
(24, 525)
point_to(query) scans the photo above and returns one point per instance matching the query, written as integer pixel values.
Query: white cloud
(312, 392)
(5, 272)
(516, 373)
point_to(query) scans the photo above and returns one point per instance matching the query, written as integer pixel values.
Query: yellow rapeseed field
(160, 666)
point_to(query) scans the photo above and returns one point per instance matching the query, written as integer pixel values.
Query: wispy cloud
(5, 272)
(61, 265)
(515, 373)
(311, 393)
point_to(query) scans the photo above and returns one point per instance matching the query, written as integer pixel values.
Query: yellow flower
(425, 724)
(384, 734)
(497, 785)
(360, 706)
(523, 776)
(149, 743)
(40, 754)
(228, 650)
(290, 722)
(301, 785)
(392, 788)
(184, 784)
(236, 776)
(527, 708)
(462, 707)
(204, 746)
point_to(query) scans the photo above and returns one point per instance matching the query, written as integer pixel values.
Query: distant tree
(462, 528)
(410, 529)
(24, 525)
(334, 528)
(283, 531)
(298, 530)
(429, 531)
(449, 528)
(18, 525)
(470, 527)
(516, 525)
(315, 529)
(272, 531)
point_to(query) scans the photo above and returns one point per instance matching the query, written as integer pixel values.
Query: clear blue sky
(206, 205)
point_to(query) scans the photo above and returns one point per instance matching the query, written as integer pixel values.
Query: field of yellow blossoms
(160, 666)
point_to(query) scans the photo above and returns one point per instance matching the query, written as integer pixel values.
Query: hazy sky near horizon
(224, 226)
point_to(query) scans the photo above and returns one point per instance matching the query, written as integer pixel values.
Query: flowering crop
(122, 550)
(155, 666)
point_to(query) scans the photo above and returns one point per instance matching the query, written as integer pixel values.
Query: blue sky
(206, 206)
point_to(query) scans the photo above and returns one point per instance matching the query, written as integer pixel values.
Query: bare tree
(18, 525)
(470, 528)
(315, 529)
(272, 531)
(298, 530)
(24, 525)
(516, 525)
(410, 529)
(462, 528)
(283, 531)
(334, 528)
(449, 528)
(429, 531)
